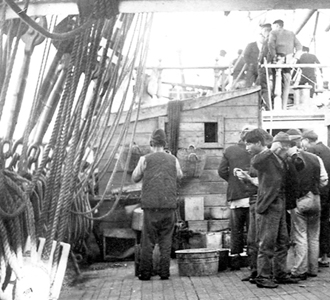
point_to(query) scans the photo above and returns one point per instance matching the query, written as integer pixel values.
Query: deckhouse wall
(209, 190)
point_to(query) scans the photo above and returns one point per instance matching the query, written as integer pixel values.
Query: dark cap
(266, 25)
(281, 137)
(246, 129)
(294, 134)
(158, 137)
(310, 134)
(279, 22)
(305, 49)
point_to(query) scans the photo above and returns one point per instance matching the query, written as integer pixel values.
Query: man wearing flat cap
(305, 214)
(311, 144)
(160, 172)
(272, 234)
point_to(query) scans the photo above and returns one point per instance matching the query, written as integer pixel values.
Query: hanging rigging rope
(55, 36)
(52, 201)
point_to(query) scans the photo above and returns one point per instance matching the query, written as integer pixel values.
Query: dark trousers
(238, 218)
(251, 74)
(158, 227)
(324, 224)
(262, 80)
(252, 238)
(273, 240)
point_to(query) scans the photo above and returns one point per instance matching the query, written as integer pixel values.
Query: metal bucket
(198, 262)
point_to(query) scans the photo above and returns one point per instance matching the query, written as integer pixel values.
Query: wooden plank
(214, 240)
(191, 127)
(121, 233)
(236, 124)
(215, 200)
(213, 152)
(207, 176)
(198, 238)
(191, 105)
(198, 226)
(138, 6)
(211, 114)
(43, 8)
(144, 126)
(212, 163)
(218, 225)
(194, 208)
(202, 188)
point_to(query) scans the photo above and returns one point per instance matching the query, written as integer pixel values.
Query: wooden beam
(284, 66)
(43, 9)
(134, 6)
(69, 7)
(190, 104)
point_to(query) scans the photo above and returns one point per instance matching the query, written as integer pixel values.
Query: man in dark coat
(311, 144)
(238, 193)
(308, 75)
(272, 234)
(160, 172)
(305, 216)
(262, 74)
(251, 55)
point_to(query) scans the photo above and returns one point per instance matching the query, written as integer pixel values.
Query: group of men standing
(278, 188)
(275, 44)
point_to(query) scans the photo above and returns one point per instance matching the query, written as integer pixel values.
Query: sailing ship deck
(119, 282)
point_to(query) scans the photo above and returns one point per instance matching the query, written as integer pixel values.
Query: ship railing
(277, 103)
(220, 83)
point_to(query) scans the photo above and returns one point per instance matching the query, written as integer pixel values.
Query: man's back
(308, 58)
(235, 156)
(323, 152)
(251, 53)
(283, 41)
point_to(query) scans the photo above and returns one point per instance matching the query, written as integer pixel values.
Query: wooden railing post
(216, 77)
(159, 79)
(278, 90)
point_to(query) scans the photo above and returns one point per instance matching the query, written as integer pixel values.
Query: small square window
(211, 132)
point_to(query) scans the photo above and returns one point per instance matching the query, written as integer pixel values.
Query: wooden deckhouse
(47, 202)
(221, 117)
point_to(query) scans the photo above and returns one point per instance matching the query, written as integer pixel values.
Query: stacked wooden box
(206, 222)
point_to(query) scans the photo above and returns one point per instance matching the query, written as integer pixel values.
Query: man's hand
(292, 151)
(276, 147)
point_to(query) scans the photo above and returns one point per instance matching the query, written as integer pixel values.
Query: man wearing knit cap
(272, 234)
(235, 158)
(305, 214)
(311, 144)
(160, 172)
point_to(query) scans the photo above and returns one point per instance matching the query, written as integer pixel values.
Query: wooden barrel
(198, 262)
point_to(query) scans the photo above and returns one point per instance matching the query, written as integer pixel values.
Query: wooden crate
(194, 208)
(197, 240)
(218, 225)
(198, 226)
(214, 240)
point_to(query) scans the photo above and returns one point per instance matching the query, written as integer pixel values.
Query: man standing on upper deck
(262, 74)
(282, 45)
(308, 75)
